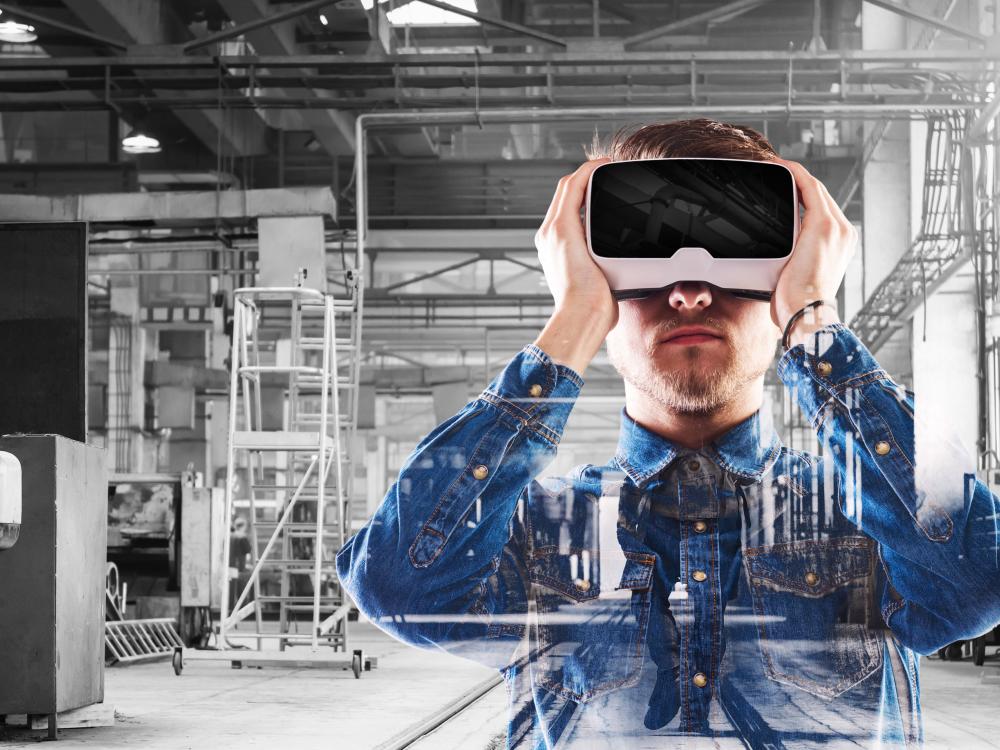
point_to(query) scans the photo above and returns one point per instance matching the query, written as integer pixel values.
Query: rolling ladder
(298, 348)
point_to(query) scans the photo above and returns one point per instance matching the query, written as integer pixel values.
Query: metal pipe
(68, 28)
(166, 272)
(127, 248)
(557, 114)
(978, 128)
(907, 57)
(242, 28)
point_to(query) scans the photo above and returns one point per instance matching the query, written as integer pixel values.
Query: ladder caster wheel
(979, 651)
(356, 665)
(178, 661)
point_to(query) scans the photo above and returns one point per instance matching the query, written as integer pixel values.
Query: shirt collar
(747, 449)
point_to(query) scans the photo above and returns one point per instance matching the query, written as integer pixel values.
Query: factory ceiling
(255, 94)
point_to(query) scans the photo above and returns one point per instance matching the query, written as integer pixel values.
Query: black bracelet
(799, 314)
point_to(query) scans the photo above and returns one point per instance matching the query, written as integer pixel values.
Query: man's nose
(690, 294)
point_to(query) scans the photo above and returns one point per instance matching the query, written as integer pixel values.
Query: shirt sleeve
(907, 482)
(443, 556)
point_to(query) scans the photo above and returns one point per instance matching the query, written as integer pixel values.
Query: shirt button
(811, 578)
(882, 447)
(535, 390)
(694, 464)
(700, 527)
(480, 472)
(699, 575)
(699, 679)
(824, 368)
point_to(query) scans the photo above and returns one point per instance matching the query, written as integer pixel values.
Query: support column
(886, 224)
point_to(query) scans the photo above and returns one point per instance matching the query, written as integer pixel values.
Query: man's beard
(696, 388)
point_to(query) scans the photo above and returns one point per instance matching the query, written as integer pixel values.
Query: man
(707, 583)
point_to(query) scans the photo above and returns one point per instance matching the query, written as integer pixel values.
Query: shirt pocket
(590, 642)
(811, 601)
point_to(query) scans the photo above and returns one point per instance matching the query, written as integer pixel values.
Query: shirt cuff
(536, 391)
(825, 365)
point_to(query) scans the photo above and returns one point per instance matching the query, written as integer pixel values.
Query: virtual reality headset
(732, 223)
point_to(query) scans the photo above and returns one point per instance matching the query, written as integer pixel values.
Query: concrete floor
(212, 706)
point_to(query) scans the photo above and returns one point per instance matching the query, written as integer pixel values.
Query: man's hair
(691, 138)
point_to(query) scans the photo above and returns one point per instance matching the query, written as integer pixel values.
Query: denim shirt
(740, 594)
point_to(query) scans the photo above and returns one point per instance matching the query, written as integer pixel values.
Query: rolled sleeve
(825, 366)
(536, 391)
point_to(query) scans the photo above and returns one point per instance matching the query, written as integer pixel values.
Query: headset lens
(652, 207)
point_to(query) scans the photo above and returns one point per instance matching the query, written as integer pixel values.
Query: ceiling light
(17, 33)
(140, 143)
(323, 20)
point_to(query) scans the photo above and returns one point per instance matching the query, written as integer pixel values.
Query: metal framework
(845, 81)
(941, 246)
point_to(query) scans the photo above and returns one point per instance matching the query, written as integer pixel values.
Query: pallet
(96, 715)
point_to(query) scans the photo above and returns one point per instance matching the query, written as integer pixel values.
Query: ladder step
(330, 500)
(315, 343)
(329, 601)
(277, 440)
(280, 293)
(309, 491)
(303, 369)
(338, 305)
(302, 531)
(300, 565)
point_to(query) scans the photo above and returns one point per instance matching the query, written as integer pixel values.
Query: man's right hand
(585, 310)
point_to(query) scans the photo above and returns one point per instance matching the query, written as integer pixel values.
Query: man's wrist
(572, 338)
(811, 321)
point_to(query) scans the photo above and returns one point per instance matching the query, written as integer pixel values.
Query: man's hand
(824, 247)
(585, 310)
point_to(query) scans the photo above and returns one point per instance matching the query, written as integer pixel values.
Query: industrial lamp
(17, 33)
(138, 142)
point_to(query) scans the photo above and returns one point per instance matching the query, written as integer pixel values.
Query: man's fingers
(808, 187)
(573, 189)
(564, 209)
(820, 206)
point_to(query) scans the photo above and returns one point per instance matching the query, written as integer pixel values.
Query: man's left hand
(824, 247)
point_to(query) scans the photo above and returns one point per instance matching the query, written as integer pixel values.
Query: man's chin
(698, 367)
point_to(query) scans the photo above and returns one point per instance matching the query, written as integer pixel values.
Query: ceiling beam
(28, 15)
(333, 129)
(722, 11)
(170, 206)
(508, 59)
(242, 28)
(931, 21)
(615, 8)
(498, 22)
(240, 132)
